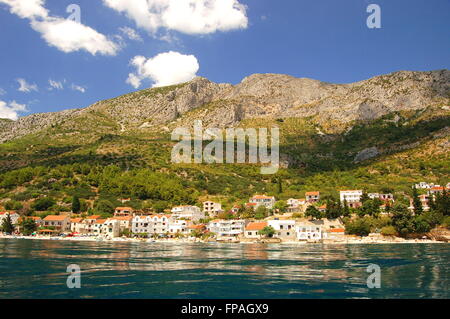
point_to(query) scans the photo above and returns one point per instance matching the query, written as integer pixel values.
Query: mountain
(388, 130)
(257, 96)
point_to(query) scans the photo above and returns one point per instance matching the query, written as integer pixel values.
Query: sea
(53, 269)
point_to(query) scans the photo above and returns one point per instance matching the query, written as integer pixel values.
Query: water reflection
(37, 268)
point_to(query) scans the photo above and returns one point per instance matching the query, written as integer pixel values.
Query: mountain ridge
(256, 96)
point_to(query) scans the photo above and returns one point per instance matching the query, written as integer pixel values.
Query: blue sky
(326, 40)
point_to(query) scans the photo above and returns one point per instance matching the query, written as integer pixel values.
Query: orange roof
(250, 204)
(312, 193)
(437, 188)
(256, 226)
(10, 212)
(262, 197)
(34, 218)
(337, 230)
(323, 206)
(124, 208)
(200, 226)
(100, 221)
(76, 220)
(122, 218)
(94, 217)
(55, 218)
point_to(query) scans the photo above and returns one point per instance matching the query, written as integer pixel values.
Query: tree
(359, 226)
(345, 209)
(334, 209)
(104, 207)
(441, 203)
(43, 204)
(280, 185)
(313, 212)
(416, 202)
(28, 226)
(267, 231)
(280, 206)
(402, 220)
(261, 212)
(13, 205)
(7, 226)
(364, 197)
(76, 205)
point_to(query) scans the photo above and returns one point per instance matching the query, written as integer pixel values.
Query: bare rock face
(366, 154)
(257, 96)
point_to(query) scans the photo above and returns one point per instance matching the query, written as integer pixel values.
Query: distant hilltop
(269, 96)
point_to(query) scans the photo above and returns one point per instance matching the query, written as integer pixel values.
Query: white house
(227, 228)
(188, 212)
(59, 222)
(284, 229)
(308, 231)
(253, 228)
(312, 197)
(123, 211)
(110, 228)
(124, 222)
(262, 200)
(211, 208)
(77, 225)
(178, 226)
(435, 190)
(152, 224)
(295, 203)
(352, 196)
(13, 215)
(383, 197)
(424, 185)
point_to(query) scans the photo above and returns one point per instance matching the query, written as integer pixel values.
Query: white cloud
(78, 88)
(66, 35)
(130, 33)
(26, 87)
(186, 16)
(29, 9)
(55, 85)
(69, 36)
(164, 69)
(11, 110)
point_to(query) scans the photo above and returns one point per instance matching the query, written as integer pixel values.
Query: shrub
(388, 231)
(359, 226)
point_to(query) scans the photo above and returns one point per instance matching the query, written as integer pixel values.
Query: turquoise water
(37, 269)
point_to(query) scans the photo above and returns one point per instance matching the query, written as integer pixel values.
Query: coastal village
(192, 223)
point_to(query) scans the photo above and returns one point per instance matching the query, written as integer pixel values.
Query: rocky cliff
(257, 96)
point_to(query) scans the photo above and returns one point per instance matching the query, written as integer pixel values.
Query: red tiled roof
(55, 218)
(256, 226)
(200, 226)
(122, 218)
(312, 193)
(337, 230)
(94, 217)
(262, 197)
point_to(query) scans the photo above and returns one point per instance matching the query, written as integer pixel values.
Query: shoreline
(345, 241)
